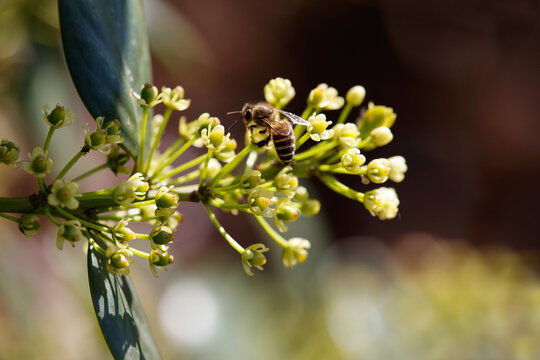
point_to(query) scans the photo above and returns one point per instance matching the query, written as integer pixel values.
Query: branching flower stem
(222, 231)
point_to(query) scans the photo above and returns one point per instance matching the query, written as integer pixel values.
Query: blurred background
(455, 276)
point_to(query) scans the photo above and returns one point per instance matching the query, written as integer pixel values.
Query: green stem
(344, 113)
(302, 140)
(316, 150)
(140, 158)
(88, 224)
(185, 178)
(69, 165)
(47, 212)
(139, 253)
(16, 205)
(48, 139)
(219, 203)
(167, 153)
(204, 169)
(8, 217)
(182, 167)
(273, 233)
(155, 140)
(173, 157)
(41, 184)
(98, 248)
(299, 129)
(222, 231)
(233, 163)
(90, 172)
(334, 184)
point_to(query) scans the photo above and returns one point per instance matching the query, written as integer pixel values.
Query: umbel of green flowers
(250, 180)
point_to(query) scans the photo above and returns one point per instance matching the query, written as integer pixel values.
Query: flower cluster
(250, 180)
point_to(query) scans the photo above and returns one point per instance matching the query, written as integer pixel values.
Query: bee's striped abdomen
(284, 145)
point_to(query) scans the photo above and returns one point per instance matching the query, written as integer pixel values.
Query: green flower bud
(9, 152)
(161, 259)
(213, 136)
(39, 164)
(376, 116)
(166, 201)
(121, 233)
(174, 98)
(251, 179)
(279, 92)
(116, 160)
(355, 96)
(352, 160)
(58, 117)
(382, 202)
(286, 183)
(134, 188)
(253, 257)
(301, 194)
(163, 238)
(285, 212)
(310, 207)
(118, 260)
(378, 170)
(381, 136)
(398, 168)
(347, 135)
(205, 121)
(295, 252)
(70, 231)
(63, 193)
(260, 200)
(28, 224)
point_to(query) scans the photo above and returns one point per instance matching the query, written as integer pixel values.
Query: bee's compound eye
(247, 115)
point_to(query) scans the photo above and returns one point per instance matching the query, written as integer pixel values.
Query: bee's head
(257, 111)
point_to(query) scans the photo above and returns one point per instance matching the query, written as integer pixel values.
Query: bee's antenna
(234, 123)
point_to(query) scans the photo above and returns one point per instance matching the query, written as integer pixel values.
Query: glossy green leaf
(106, 50)
(119, 312)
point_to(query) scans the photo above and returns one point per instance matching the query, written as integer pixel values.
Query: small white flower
(279, 92)
(398, 168)
(382, 202)
(318, 128)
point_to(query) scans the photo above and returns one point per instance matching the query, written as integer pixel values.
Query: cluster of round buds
(308, 206)
(253, 256)
(9, 152)
(127, 192)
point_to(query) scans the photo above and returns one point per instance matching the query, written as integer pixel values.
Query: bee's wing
(279, 128)
(295, 119)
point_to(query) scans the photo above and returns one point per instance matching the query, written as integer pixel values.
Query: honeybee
(265, 122)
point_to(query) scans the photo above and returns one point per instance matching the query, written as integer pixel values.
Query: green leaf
(119, 312)
(106, 50)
